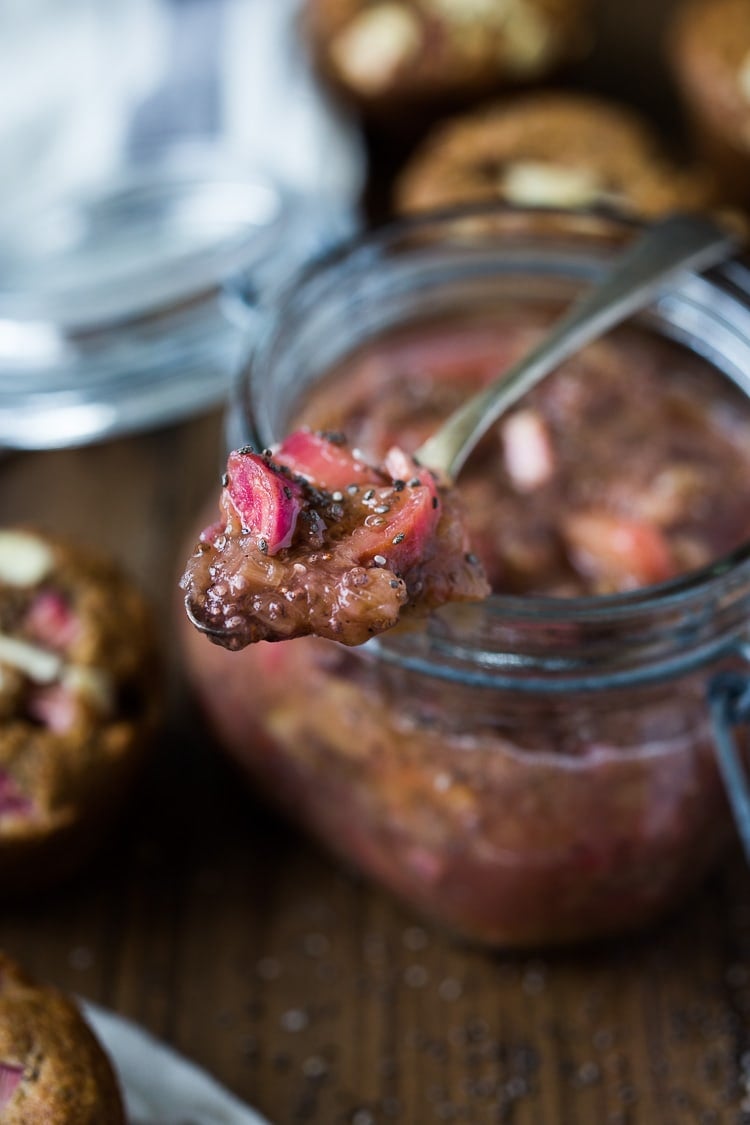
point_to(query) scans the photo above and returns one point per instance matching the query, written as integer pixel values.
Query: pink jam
(313, 540)
(625, 468)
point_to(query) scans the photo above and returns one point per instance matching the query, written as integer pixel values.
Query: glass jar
(528, 770)
(123, 303)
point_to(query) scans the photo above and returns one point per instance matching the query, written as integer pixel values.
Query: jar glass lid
(113, 301)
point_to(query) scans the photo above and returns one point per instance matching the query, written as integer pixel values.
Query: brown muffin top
(78, 683)
(548, 149)
(711, 52)
(52, 1068)
(381, 48)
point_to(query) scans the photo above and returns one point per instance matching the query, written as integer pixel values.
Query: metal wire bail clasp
(729, 703)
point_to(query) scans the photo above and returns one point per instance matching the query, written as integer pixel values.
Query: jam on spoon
(314, 540)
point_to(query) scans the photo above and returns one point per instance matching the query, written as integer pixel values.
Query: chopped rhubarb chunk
(53, 706)
(51, 621)
(618, 553)
(404, 538)
(10, 1078)
(527, 448)
(13, 801)
(324, 459)
(266, 499)
(317, 541)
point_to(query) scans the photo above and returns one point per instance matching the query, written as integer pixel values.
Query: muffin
(52, 1069)
(390, 54)
(710, 49)
(549, 150)
(79, 700)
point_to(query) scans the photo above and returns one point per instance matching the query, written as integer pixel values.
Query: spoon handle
(680, 242)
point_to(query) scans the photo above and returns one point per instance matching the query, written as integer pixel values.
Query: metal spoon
(680, 242)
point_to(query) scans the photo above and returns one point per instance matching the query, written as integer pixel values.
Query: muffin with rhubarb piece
(53, 1070)
(79, 700)
(394, 54)
(710, 48)
(550, 149)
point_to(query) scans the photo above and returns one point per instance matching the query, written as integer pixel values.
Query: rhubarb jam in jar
(540, 767)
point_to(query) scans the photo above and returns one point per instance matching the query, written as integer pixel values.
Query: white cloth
(86, 84)
(71, 75)
(159, 1086)
(120, 120)
(272, 108)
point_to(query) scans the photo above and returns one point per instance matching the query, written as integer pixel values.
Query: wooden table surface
(314, 996)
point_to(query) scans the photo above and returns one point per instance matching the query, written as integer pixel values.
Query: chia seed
(81, 958)
(414, 482)
(294, 1020)
(381, 509)
(352, 489)
(314, 1067)
(335, 437)
(399, 485)
(534, 979)
(379, 560)
(337, 497)
(316, 945)
(249, 1046)
(263, 546)
(416, 976)
(399, 538)
(369, 494)
(450, 989)
(224, 480)
(588, 1074)
(435, 501)
(415, 938)
(268, 968)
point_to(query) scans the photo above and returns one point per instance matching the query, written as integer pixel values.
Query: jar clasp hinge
(729, 704)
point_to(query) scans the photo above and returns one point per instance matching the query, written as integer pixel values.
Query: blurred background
(137, 138)
(89, 85)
